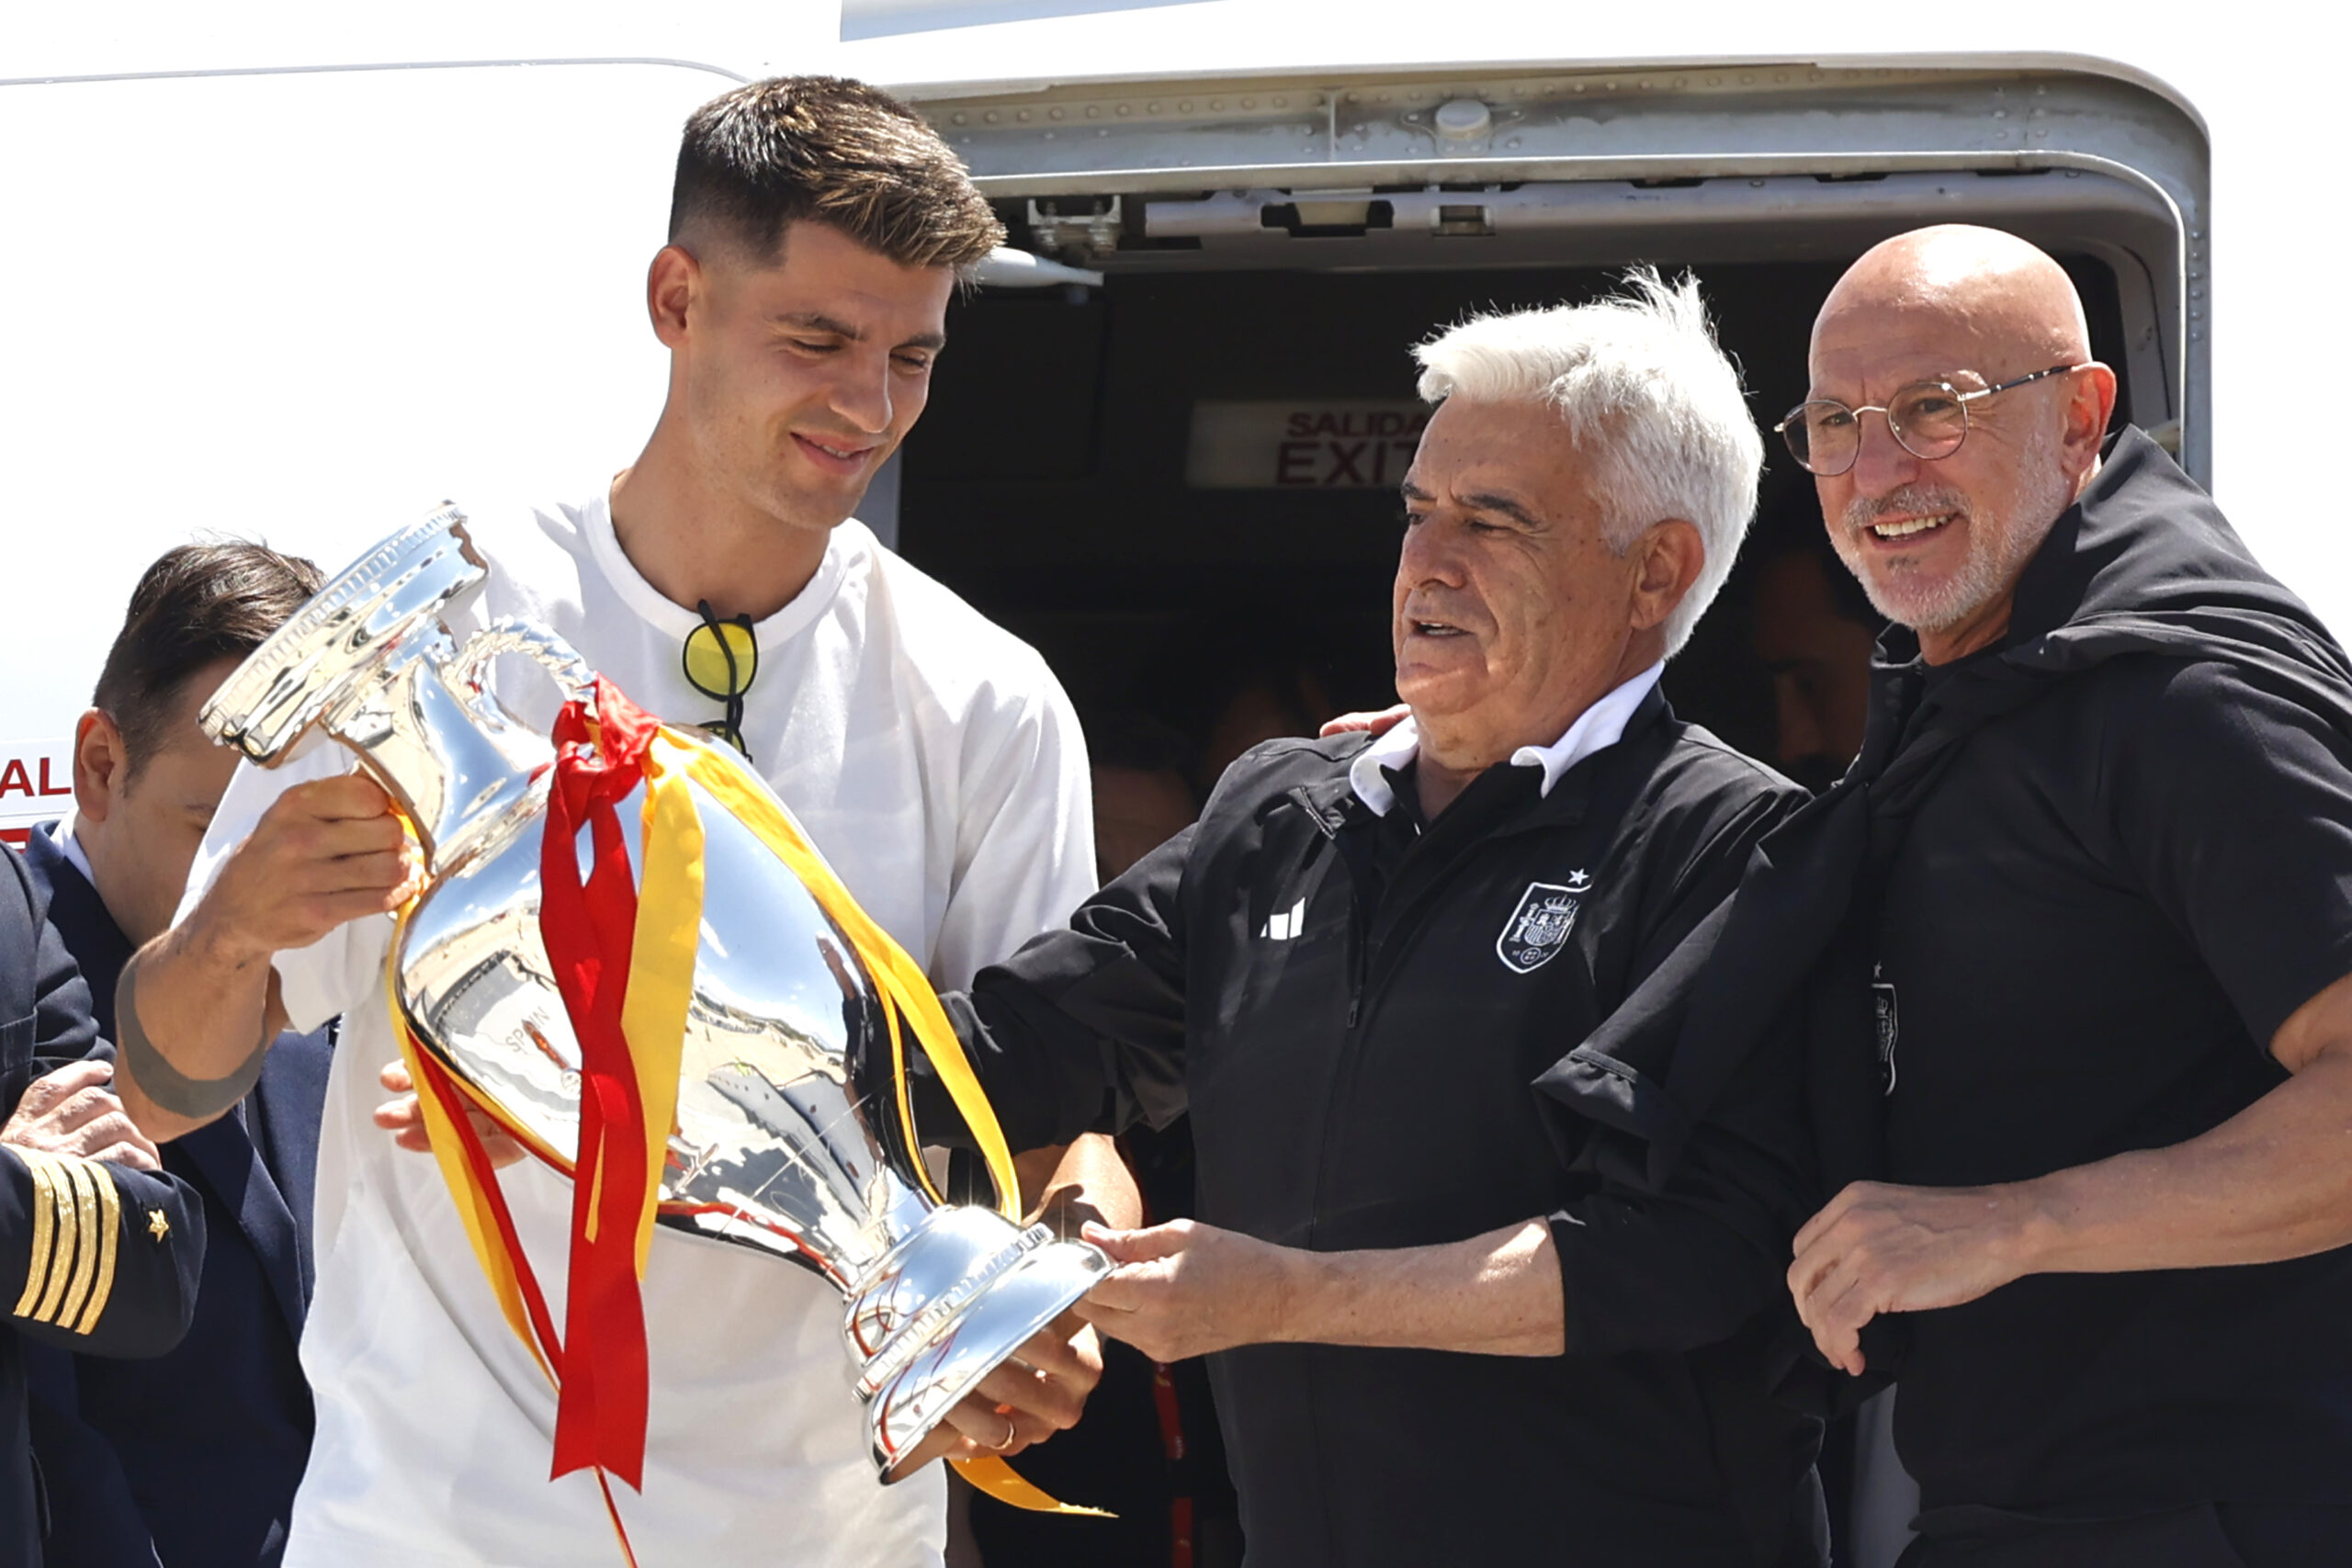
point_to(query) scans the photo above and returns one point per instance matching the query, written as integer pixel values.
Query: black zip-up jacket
(1357, 1017)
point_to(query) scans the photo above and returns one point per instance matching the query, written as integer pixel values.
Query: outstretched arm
(2270, 1183)
(1184, 1288)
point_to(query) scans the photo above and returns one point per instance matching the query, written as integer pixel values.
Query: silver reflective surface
(785, 1138)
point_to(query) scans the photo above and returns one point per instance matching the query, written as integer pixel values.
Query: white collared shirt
(1602, 724)
(69, 845)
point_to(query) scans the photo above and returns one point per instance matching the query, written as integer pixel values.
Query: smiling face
(799, 376)
(1510, 613)
(1940, 545)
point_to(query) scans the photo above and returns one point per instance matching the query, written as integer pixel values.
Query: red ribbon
(589, 928)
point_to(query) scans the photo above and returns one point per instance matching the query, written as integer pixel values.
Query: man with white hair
(1471, 1290)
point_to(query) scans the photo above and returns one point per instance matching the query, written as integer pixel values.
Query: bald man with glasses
(2072, 943)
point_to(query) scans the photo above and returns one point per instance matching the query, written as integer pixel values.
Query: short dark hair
(830, 151)
(197, 604)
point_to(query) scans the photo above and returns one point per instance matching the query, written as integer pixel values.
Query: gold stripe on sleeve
(62, 1247)
(109, 1225)
(44, 1230)
(85, 1236)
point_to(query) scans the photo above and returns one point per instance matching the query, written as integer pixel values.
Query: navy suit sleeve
(95, 1258)
(94, 1519)
(63, 1029)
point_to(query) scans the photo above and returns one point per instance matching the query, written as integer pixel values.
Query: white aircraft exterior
(278, 271)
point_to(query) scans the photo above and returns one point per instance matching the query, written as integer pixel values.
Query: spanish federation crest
(1538, 928)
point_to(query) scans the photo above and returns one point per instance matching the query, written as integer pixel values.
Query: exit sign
(1347, 444)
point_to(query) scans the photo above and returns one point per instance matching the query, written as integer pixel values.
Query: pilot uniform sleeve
(95, 1258)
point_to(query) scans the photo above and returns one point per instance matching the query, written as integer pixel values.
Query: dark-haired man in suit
(190, 1458)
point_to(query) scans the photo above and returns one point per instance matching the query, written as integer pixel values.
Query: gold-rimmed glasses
(1927, 419)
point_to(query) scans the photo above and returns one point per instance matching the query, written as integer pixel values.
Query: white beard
(1999, 547)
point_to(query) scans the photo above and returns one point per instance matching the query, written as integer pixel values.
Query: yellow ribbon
(907, 993)
(905, 990)
(653, 1018)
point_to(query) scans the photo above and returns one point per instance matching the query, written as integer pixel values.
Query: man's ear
(1671, 556)
(101, 765)
(2089, 410)
(673, 285)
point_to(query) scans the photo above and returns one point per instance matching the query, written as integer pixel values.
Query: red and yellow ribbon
(624, 958)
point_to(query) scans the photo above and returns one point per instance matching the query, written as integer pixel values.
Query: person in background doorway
(1143, 794)
(1814, 630)
(192, 1458)
(1265, 699)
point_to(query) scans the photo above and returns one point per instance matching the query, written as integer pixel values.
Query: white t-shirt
(936, 764)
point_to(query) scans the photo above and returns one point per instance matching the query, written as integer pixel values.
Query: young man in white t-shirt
(816, 236)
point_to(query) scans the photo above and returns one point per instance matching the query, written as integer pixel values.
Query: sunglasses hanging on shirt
(720, 659)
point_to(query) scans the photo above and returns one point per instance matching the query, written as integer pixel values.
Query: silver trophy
(786, 1139)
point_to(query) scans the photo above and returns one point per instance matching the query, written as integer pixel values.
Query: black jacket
(2147, 653)
(127, 1252)
(1358, 1020)
(192, 1458)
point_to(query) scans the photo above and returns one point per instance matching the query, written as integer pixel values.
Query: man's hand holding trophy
(618, 954)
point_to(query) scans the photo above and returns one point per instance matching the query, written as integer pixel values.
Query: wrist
(217, 941)
(2033, 1235)
(1300, 1281)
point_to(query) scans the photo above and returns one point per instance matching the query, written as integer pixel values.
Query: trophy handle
(552, 653)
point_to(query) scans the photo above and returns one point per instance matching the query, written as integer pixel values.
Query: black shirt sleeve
(1671, 1267)
(1687, 1265)
(1093, 1016)
(2233, 807)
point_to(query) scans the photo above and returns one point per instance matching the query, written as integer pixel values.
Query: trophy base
(952, 1302)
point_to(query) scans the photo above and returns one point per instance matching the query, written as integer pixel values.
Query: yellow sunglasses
(720, 660)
